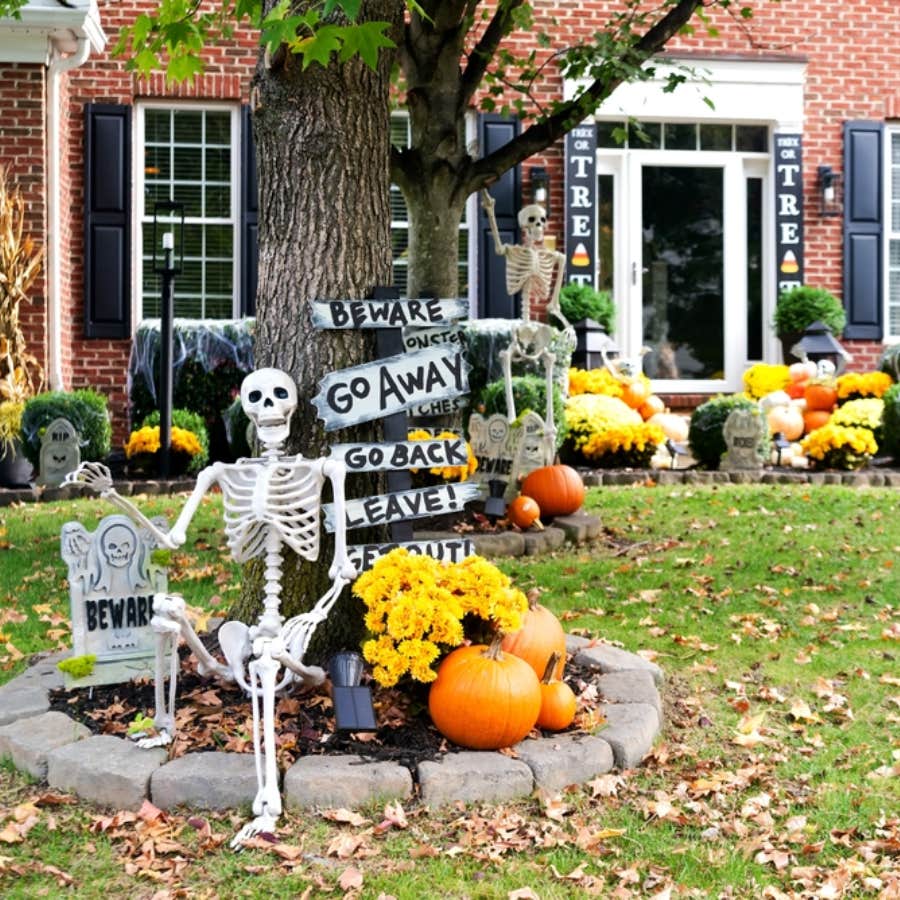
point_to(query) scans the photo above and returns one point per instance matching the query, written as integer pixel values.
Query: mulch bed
(211, 715)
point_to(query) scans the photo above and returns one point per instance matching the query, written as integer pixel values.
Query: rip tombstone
(744, 432)
(112, 580)
(60, 452)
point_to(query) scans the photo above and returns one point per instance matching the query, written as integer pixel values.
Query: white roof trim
(31, 38)
(762, 91)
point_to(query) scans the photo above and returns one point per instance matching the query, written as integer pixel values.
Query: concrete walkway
(111, 771)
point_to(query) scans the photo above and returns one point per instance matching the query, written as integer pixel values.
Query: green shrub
(890, 361)
(705, 432)
(529, 392)
(189, 421)
(581, 301)
(801, 306)
(85, 409)
(236, 424)
(890, 443)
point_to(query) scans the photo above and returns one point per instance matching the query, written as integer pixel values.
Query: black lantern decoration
(353, 710)
(828, 182)
(780, 443)
(167, 268)
(495, 505)
(818, 343)
(540, 187)
(593, 346)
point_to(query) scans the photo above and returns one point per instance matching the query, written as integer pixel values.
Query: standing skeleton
(536, 273)
(269, 503)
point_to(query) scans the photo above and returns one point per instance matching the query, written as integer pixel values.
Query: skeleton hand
(92, 475)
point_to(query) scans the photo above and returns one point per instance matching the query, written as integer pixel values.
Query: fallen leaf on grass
(523, 894)
(801, 712)
(345, 816)
(351, 879)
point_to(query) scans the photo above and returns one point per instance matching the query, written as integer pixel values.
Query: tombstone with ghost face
(112, 580)
(60, 452)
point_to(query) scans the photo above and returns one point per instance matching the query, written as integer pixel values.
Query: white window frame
(141, 216)
(890, 132)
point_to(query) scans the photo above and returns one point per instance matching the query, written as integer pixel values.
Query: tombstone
(744, 432)
(112, 580)
(531, 448)
(60, 453)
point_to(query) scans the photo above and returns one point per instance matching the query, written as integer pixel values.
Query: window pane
(219, 241)
(605, 134)
(644, 135)
(752, 138)
(188, 126)
(715, 137)
(218, 202)
(681, 136)
(218, 128)
(605, 201)
(400, 131)
(218, 164)
(157, 125)
(398, 205)
(191, 196)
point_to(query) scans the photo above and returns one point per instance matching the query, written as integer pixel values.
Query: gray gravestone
(744, 432)
(60, 453)
(112, 580)
(508, 451)
(530, 448)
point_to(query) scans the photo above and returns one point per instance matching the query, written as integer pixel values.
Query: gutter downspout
(58, 66)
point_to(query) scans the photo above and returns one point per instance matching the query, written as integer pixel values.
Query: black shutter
(249, 216)
(493, 302)
(107, 220)
(863, 227)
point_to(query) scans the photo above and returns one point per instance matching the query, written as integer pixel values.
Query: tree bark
(323, 149)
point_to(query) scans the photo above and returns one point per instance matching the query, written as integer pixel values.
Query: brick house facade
(819, 77)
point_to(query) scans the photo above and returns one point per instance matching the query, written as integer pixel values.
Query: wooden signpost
(421, 370)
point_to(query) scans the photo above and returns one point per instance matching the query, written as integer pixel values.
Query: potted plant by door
(21, 375)
(801, 306)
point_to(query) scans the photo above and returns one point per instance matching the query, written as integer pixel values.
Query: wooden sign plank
(438, 407)
(395, 507)
(387, 313)
(420, 338)
(401, 455)
(378, 389)
(364, 555)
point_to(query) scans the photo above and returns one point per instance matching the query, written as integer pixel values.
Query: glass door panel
(683, 314)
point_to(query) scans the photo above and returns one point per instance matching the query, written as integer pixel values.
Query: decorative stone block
(630, 731)
(208, 780)
(328, 781)
(557, 762)
(474, 777)
(27, 741)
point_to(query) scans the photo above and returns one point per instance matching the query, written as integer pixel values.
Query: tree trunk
(322, 139)
(434, 217)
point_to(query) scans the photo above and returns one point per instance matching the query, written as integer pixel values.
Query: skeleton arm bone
(553, 306)
(488, 202)
(341, 567)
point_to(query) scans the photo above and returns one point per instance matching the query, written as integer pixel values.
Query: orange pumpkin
(800, 372)
(795, 389)
(524, 512)
(651, 406)
(558, 490)
(820, 396)
(483, 698)
(815, 418)
(786, 419)
(558, 701)
(635, 393)
(538, 639)
(674, 427)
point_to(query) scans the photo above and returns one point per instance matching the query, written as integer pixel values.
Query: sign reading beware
(391, 385)
(395, 507)
(386, 313)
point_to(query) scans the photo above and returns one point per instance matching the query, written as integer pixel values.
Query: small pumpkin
(558, 490)
(815, 418)
(524, 512)
(651, 406)
(674, 427)
(795, 389)
(483, 698)
(786, 419)
(558, 701)
(635, 392)
(820, 396)
(540, 636)
(800, 372)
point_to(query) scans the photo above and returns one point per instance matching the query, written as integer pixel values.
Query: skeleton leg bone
(506, 361)
(167, 633)
(267, 803)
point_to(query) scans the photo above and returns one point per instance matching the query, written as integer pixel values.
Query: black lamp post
(818, 343)
(167, 269)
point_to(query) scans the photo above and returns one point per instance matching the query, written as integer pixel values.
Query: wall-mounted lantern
(829, 182)
(540, 187)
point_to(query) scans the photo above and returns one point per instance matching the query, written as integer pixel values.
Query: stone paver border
(111, 771)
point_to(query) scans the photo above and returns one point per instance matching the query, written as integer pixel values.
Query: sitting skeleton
(537, 274)
(269, 502)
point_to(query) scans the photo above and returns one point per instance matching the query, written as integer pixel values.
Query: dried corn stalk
(21, 375)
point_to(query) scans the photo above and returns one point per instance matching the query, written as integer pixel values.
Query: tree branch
(542, 134)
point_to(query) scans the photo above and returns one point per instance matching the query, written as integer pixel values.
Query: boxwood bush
(705, 432)
(891, 422)
(581, 301)
(85, 409)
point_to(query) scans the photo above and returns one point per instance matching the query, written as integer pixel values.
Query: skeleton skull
(532, 219)
(117, 546)
(269, 397)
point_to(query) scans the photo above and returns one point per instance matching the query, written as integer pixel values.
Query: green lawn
(773, 611)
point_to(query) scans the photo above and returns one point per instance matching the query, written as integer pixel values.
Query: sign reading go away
(400, 505)
(391, 385)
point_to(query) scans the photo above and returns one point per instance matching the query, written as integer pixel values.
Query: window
(893, 229)
(400, 137)
(639, 135)
(189, 155)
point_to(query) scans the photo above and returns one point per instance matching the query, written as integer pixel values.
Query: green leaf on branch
(320, 46)
(366, 41)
